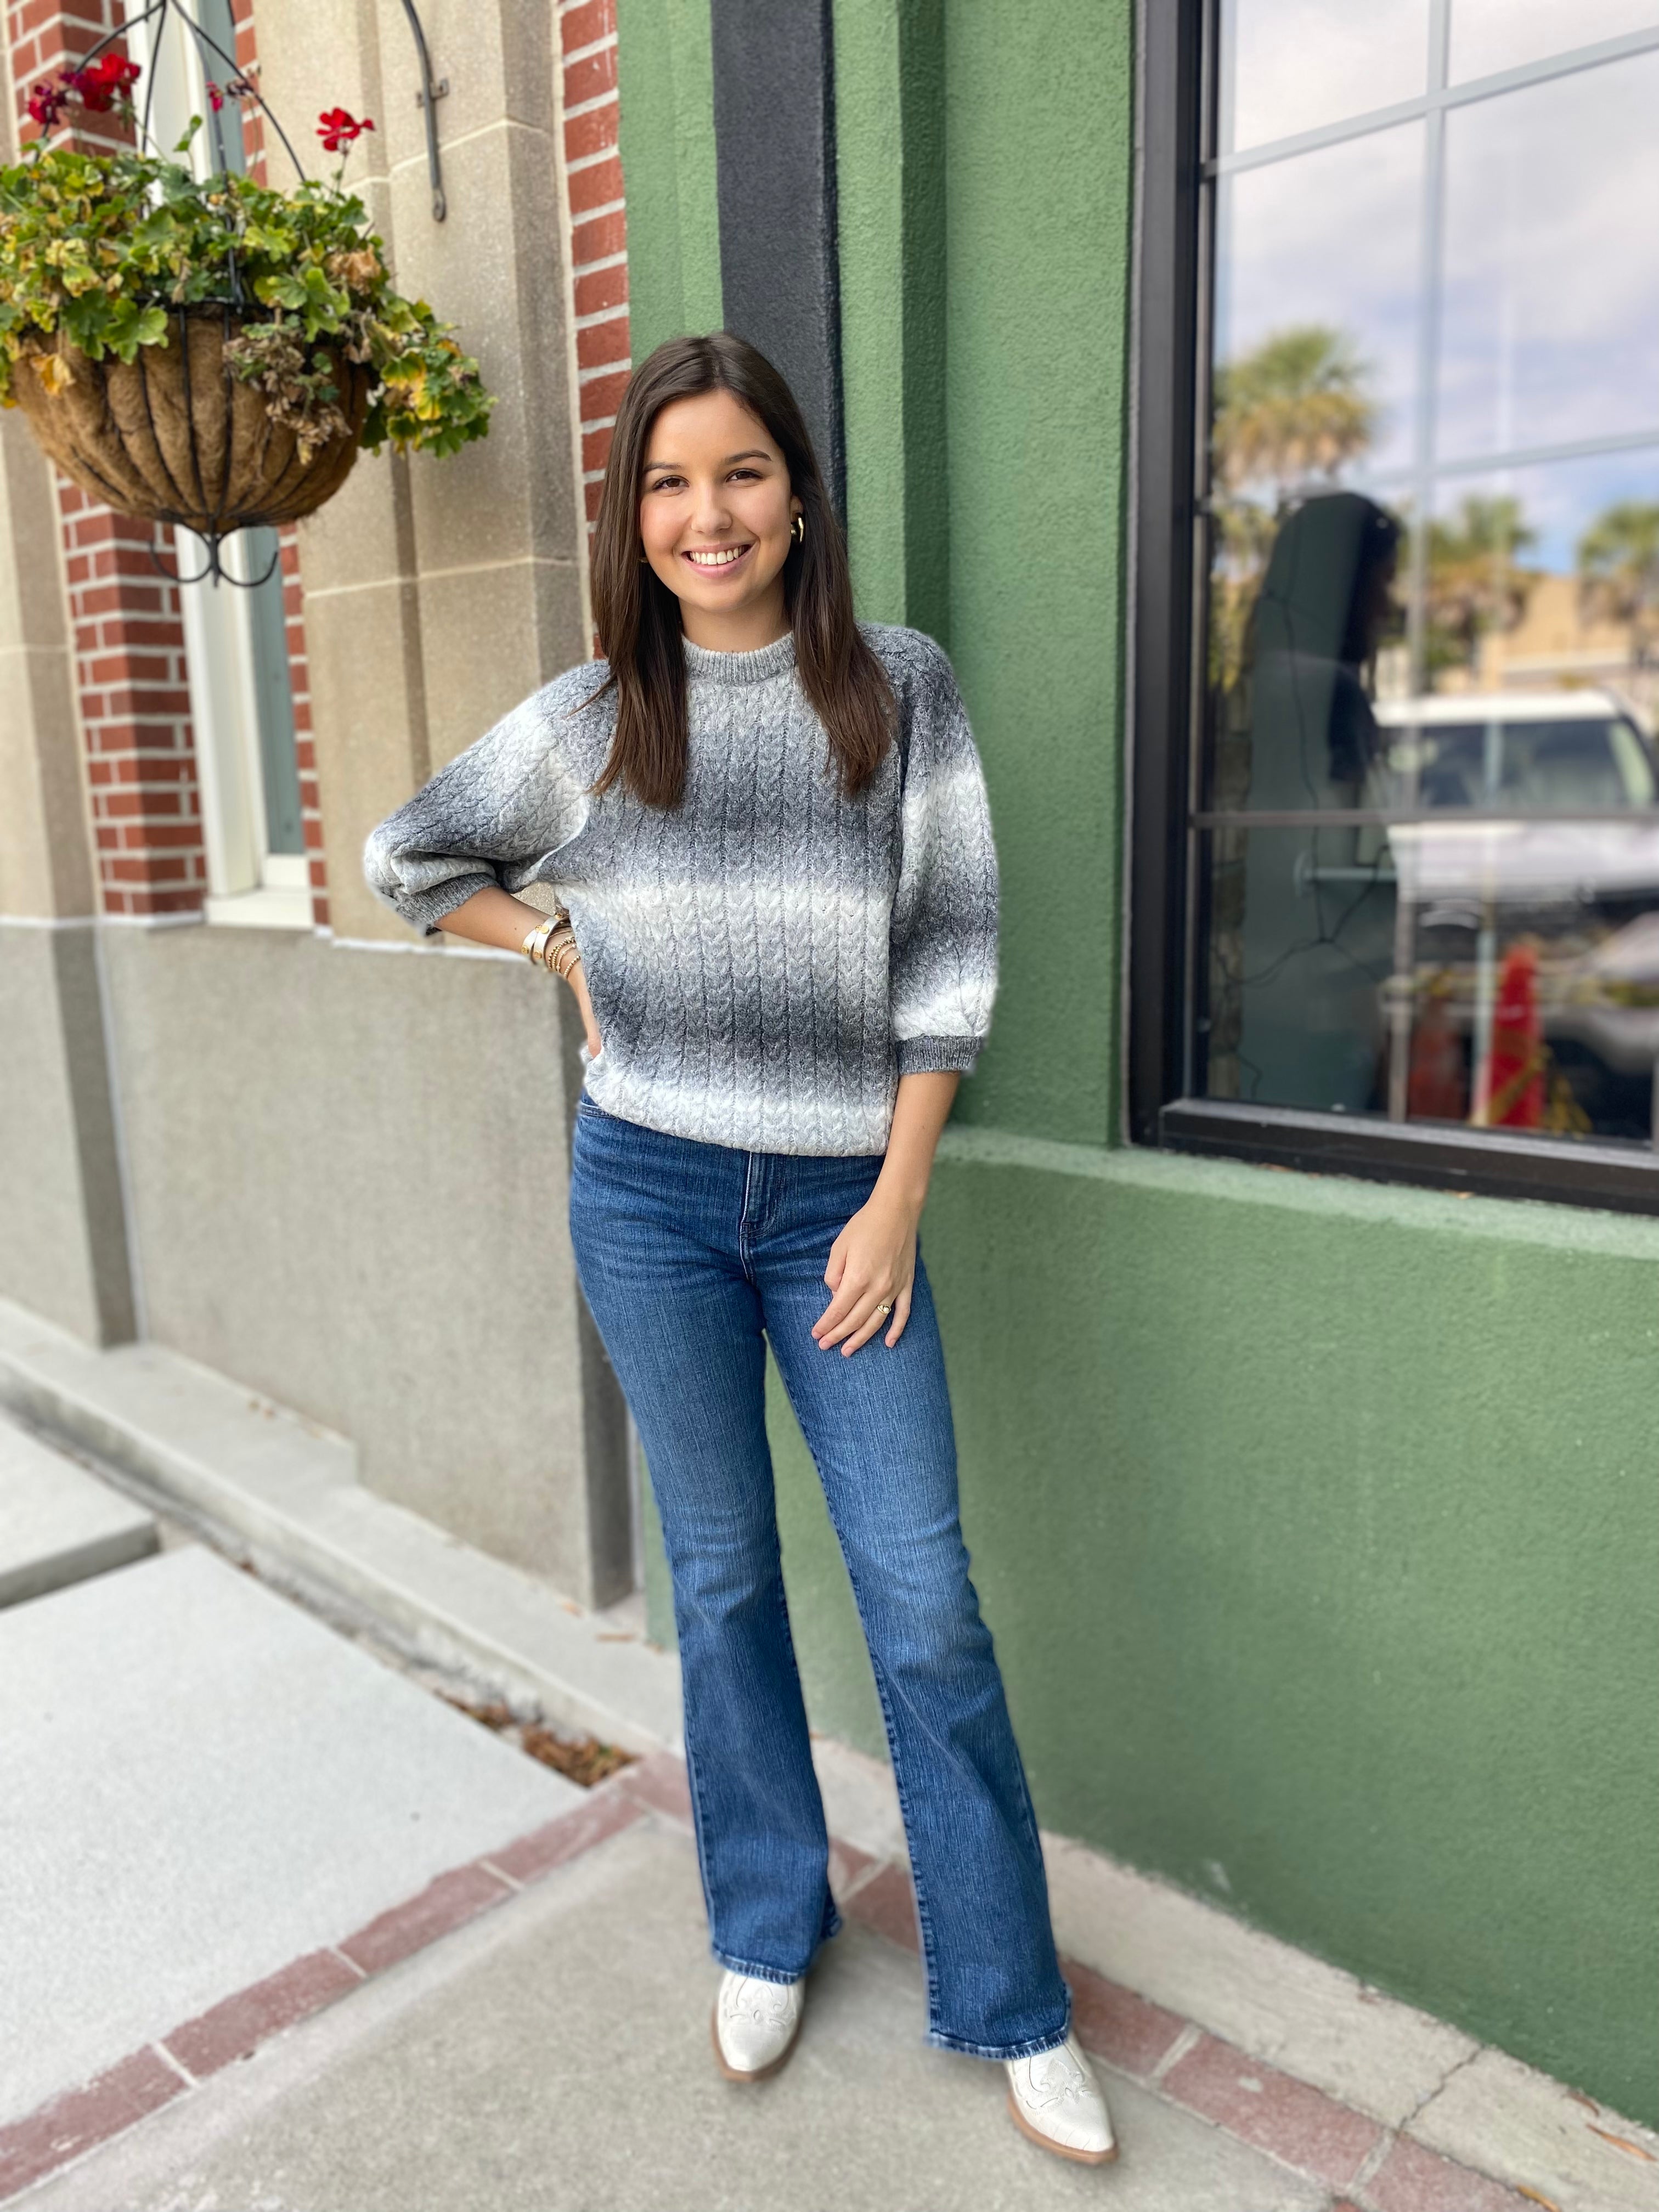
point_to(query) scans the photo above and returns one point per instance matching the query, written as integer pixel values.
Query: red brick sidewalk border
(1376, 2168)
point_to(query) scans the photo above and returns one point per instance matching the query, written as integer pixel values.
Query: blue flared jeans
(692, 1256)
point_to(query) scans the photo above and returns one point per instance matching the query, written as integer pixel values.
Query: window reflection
(1301, 927)
(1550, 327)
(1489, 35)
(1428, 842)
(1544, 577)
(1317, 300)
(1291, 65)
(1493, 958)
(1323, 608)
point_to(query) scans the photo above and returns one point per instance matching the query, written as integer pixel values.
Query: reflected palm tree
(1289, 416)
(1475, 584)
(1619, 574)
(1295, 410)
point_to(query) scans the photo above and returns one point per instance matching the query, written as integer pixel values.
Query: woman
(771, 827)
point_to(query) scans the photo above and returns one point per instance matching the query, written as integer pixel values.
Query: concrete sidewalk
(200, 1785)
(557, 2056)
(532, 2031)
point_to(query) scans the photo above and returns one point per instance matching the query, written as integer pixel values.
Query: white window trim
(249, 885)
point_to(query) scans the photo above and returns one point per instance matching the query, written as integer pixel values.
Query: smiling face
(715, 510)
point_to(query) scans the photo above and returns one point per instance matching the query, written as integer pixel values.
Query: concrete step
(284, 1491)
(59, 1524)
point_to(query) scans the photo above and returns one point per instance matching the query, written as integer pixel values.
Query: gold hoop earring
(798, 530)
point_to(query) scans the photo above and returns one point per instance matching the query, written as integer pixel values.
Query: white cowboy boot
(1056, 2100)
(755, 2025)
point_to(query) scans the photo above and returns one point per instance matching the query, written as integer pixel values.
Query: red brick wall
(128, 626)
(598, 228)
(135, 713)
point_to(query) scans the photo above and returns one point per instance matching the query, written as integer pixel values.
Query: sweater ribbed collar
(734, 668)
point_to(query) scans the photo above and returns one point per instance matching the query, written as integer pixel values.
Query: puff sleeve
(492, 814)
(943, 940)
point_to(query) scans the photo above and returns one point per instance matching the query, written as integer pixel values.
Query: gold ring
(887, 1309)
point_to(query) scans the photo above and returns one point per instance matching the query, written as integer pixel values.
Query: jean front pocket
(588, 1110)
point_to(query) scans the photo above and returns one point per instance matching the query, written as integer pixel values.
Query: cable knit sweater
(765, 960)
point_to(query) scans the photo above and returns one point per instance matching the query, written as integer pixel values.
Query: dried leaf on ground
(1624, 2144)
(492, 1714)
(584, 1760)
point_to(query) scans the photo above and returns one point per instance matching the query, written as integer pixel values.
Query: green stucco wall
(1315, 1522)
(665, 71)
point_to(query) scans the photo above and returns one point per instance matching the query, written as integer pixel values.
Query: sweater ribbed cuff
(921, 1054)
(426, 909)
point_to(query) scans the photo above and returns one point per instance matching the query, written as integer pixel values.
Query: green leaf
(88, 320)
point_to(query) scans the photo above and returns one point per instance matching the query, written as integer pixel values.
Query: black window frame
(1171, 302)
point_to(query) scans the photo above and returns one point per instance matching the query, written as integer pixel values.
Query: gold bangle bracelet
(534, 947)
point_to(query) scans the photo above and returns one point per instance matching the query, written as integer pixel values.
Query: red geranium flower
(46, 103)
(215, 96)
(336, 128)
(102, 83)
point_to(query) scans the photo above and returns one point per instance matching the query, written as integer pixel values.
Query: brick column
(135, 713)
(598, 228)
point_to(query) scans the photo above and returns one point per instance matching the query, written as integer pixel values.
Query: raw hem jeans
(691, 1257)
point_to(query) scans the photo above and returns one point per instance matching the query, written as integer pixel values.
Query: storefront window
(1424, 819)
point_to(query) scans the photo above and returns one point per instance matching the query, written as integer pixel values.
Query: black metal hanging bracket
(432, 91)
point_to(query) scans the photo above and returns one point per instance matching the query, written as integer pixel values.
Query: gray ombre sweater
(767, 959)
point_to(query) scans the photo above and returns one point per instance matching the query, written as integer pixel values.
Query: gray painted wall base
(348, 1176)
(62, 1226)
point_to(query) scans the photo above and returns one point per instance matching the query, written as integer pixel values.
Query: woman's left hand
(873, 1260)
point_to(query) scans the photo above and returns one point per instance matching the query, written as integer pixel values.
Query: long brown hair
(638, 617)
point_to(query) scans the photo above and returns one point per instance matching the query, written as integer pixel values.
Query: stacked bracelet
(552, 943)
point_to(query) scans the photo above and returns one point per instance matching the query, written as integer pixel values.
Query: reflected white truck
(1550, 802)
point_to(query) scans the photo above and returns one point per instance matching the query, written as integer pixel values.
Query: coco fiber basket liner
(175, 436)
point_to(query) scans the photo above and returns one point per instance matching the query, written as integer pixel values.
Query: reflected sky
(1488, 35)
(1289, 66)
(1331, 237)
(1550, 328)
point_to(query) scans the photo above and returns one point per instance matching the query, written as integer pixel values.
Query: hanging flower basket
(206, 350)
(175, 436)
